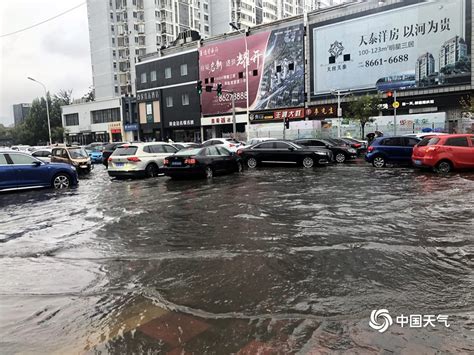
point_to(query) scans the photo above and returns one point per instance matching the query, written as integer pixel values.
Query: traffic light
(390, 99)
(219, 89)
(287, 123)
(199, 87)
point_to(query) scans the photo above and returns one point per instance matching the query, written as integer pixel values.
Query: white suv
(139, 159)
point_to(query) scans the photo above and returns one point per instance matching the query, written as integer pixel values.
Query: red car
(445, 152)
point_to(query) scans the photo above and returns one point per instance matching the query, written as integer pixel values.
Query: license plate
(118, 165)
(417, 162)
(83, 166)
(176, 163)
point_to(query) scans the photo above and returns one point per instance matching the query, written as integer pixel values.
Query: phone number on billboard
(226, 97)
(391, 60)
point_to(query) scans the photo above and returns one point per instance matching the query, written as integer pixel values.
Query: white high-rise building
(248, 13)
(122, 30)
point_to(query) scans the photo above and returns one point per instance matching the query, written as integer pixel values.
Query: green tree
(34, 130)
(361, 108)
(467, 104)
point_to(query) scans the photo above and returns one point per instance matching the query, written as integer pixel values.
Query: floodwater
(274, 260)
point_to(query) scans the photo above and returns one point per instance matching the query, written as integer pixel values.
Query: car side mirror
(291, 149)
(36, 163)
(49, 156)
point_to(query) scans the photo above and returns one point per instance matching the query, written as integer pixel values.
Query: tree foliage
(361, 108)
(34, 130)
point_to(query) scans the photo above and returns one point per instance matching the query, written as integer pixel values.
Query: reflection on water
(272, 260)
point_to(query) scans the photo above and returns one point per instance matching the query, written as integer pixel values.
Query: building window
(72, 119)
(153, 75)
(116, 89)
(184, 69)
(185, 99)
(167, 73)
(143, 78)
(169, 101)
(107, 115)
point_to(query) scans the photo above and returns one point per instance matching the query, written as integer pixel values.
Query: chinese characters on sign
(322, 111)
(148, 95)
(181, 123)
(293, 113)
(413, 30)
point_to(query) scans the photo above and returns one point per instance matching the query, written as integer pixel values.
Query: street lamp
(246, 73)
(339, 94)
(47, 106)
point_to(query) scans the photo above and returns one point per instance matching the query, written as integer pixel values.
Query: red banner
(225, 63)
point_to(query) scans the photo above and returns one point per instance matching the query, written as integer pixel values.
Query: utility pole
(338, 94)
(394, 112)
(47, 107)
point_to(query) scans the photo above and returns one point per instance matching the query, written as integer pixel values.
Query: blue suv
(22, 171)
(390, 149)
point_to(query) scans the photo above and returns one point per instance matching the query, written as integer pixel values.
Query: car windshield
(188, 152)
(122, 151)
(77, 153)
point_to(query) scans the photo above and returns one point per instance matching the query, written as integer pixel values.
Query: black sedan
(203, 161)
(286, 152)
(108, 150)
(341, 153)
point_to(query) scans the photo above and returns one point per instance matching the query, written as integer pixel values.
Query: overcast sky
(56, 53)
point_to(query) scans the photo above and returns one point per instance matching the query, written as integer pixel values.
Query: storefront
(222, 126)
(149, 114)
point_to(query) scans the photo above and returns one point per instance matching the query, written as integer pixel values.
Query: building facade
(106, 120)
(122, 30)
(20, 111)
(169, 105)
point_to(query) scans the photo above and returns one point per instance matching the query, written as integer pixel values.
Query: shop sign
(131, 127)
(181, 123)
(322, 111)
(151, 95)
(293, 113)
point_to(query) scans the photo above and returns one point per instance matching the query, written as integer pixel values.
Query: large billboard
(424, 44)
(275, 70)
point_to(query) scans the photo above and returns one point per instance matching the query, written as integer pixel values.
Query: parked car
(43, 154)
(340, 153)
(97, 146)
(338, 141)
(359, 146)
(73, 155)
(424, 134)
(258, 140)
(281, 151)
(95, 153)
(22, 171)
(207, 161)
(230, 143)
(396, 149)
(21, 148)
(108, 150)
(139, 159)
(185, 145)
(444, 153)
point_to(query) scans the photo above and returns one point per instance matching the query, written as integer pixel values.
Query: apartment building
(122, 30)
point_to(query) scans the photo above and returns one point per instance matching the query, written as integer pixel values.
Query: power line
(40, 23)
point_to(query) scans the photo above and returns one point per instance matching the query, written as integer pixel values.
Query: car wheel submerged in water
(378, 162)
(252, 163)
(340, 158)
(444, 167)
(151, 170)
(308, 162)
(61, 181)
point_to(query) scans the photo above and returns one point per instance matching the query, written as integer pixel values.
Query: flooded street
(273, 260)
